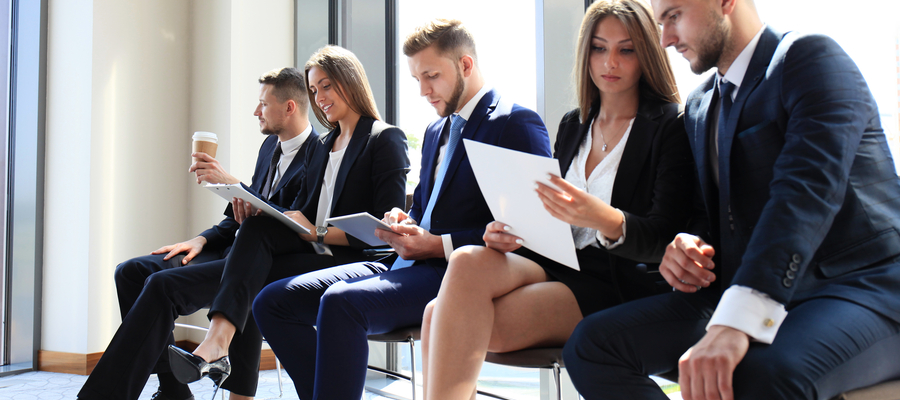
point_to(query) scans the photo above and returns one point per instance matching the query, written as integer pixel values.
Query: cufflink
(769, 322)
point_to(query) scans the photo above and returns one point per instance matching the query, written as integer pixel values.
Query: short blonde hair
(448, 36)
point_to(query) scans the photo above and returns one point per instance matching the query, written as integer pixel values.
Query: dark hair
(657, 80)
(288, 84)
(448, 36)
(349, 78)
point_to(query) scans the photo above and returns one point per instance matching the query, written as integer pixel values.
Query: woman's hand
(301, 219)
(496, 236)
(577, 207)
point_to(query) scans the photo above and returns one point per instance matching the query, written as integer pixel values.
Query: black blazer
(654, 185)
(371, 178)
(285, 194)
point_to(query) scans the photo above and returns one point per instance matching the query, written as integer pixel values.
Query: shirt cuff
(448, 246)
(749, 311)
(608, 243)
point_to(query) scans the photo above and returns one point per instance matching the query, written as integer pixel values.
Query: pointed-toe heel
(189, 368)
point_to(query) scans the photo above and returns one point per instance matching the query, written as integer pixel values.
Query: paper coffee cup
(204, 142)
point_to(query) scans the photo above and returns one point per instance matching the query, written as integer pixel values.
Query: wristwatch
(320, 234)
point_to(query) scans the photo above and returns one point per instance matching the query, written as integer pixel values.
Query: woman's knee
(429, 311)
(470, 263)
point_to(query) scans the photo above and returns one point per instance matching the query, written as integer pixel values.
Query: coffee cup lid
(205, 136)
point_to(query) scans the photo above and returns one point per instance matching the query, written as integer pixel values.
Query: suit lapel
(569, 147)
(429, 161)
(636, 151)
(357, 144)
(262, 164)
(762, 56)
(485, 106)
(315, 170)
(296, 164)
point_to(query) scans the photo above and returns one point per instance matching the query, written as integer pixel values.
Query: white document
(362, 226)
(236, 190)
(507, 180)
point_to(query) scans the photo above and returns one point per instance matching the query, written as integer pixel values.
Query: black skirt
(605, 280)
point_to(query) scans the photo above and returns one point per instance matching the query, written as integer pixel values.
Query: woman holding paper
(627, 191)
(360, 166)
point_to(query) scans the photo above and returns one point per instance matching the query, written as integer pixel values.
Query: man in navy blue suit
(142, 291)
(448, 212)
(791, 291)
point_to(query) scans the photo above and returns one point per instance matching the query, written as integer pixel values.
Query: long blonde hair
(657, 80)
(349, 79)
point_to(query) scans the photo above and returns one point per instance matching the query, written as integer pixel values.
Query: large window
(504, 33)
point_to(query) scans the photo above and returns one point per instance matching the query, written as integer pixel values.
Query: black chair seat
(543, 357)
(399, 335)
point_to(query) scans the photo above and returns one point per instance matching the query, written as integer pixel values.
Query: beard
(269, 131)
(709, 51)
(453, 103)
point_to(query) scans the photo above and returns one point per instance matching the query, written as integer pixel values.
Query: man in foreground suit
(330, 363)
(803, 202)
(144, 299)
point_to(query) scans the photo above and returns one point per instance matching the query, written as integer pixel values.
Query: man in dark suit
(791, 292)
(448, 211)
(280, 167)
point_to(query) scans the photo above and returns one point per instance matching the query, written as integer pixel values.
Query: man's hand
(192, 247)
(242, 210)
(302, 220)
(412, 242)
(209, 170)
(496, 236)
(705, 370)
(687, 263)
(397, 216)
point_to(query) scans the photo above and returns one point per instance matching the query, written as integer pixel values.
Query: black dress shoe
(159, 395)
(189, 368)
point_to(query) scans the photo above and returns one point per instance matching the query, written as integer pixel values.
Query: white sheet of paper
(227, 192)
(507, 179)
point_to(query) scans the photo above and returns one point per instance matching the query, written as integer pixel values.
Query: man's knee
(342, 299)
(768, 374)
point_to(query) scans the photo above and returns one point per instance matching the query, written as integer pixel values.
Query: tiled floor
(54, 386)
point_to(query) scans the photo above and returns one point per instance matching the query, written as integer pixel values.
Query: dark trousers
(824, 347)
(345, 305)
(167, 291)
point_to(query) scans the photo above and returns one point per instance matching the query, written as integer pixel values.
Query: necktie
(456, 125)
(725, 103)
(273, 169)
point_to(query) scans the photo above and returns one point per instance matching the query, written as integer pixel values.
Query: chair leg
(556, 381)
(280, 385)
(412, 369)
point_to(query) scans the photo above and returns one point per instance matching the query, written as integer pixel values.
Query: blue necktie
(456, 126)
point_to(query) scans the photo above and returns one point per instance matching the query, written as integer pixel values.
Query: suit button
(796, 258)
(787, 282)
(790, 274)
(793, 266)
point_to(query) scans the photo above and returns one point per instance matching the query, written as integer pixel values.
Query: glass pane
(497, 44)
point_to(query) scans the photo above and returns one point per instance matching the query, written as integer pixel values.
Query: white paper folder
(227, 192)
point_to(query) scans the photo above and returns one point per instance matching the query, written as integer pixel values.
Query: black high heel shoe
(189, 368)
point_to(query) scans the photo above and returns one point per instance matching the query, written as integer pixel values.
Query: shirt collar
(293, 144)
(467, 109)
(738, 68)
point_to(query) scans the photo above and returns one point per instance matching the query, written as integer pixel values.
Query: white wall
(128, 81)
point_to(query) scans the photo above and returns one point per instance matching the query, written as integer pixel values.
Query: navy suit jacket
(284, 194)
(808, 200)
(460, 210)
(371, 178)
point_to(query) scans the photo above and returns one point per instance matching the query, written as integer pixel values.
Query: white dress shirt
(599, 183)
(326, 194)
(289, 150)
(743, 308)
